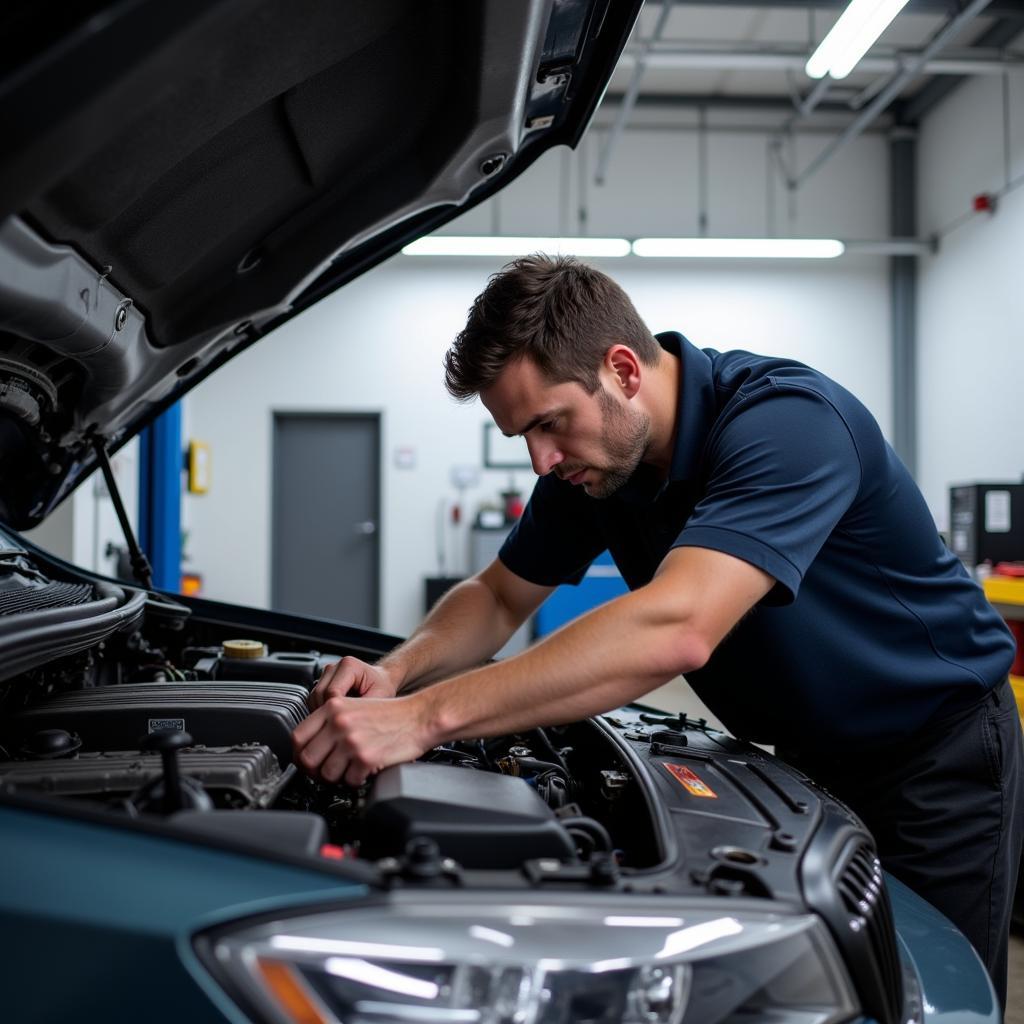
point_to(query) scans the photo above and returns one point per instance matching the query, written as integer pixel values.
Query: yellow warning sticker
(690, 780)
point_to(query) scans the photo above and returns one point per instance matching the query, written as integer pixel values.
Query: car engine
(487, 804)
(152, 720)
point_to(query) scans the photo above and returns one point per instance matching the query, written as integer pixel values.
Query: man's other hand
(347, 739)
(351, 677)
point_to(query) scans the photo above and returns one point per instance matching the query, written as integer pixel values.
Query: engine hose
(554, 789)
(531, 764)
(549, 749)
(448, 754)
(594, 829)
(584, 843)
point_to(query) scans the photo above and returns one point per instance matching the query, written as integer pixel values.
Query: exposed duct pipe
(814, 97)
(868, 93)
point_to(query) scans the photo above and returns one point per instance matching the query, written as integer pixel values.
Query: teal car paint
(97, 922)
(954, 985)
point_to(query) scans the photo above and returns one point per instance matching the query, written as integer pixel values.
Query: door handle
(366, 529)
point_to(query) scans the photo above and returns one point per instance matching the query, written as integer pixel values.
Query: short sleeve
(556, 538)
(784, 469)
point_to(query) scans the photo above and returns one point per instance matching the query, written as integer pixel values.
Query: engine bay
(137, 710)
(149, 724)
(134, 705)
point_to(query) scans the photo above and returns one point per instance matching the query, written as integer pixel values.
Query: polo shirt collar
(697, 406)
(694, 418)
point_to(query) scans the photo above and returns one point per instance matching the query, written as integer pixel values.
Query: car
(178, 180)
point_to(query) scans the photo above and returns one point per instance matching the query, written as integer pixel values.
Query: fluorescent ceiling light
(498, 245)
(740, 248)
(851, 37)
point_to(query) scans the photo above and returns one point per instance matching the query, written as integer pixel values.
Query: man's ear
(622, 363)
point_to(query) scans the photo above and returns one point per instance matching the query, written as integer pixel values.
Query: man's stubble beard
(625, 435)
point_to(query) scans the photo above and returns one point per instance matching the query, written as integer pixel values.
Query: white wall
(971, 300)
(378, 344)
(652, 186)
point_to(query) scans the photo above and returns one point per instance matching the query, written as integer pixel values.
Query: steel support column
(160, 465)
(903, 294)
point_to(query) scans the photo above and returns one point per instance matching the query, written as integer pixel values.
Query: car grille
(50, 595)
(865, 899)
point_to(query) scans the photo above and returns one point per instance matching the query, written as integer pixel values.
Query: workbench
(1006, 594)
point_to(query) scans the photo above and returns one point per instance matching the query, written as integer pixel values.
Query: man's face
(595, 441)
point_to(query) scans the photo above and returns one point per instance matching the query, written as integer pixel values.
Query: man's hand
(351, 677)
(348, 739)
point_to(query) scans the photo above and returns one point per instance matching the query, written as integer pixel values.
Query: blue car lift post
(160, 466)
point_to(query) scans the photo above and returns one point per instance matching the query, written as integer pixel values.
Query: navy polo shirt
(873, 627)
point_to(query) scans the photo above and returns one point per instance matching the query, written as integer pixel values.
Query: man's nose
(544, 456)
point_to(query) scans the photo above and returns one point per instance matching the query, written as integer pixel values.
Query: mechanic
(778, 554)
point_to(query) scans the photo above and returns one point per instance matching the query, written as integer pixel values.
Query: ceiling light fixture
(740, 248)
(851, 37)
(498, 245)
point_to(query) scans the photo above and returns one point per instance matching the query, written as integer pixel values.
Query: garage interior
(711, 129)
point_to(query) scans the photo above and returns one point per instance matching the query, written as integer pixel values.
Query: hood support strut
(141, 569)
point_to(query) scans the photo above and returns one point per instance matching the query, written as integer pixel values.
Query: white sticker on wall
(997, 511)
(405, 457)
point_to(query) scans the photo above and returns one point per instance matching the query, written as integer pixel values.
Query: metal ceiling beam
(868, 93)
(892, 90)
(999, 8)
(814, 98)
(1001, 34)
(895, 246)
(731, 127)
(772, 57)
(669, 101)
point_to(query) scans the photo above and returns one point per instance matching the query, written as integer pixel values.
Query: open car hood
(179, 179)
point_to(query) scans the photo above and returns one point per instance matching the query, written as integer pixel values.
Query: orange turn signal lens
(289, 990)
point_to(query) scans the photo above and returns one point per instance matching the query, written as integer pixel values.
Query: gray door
(326, 507)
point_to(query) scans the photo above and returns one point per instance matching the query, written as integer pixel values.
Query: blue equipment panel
(602, 582)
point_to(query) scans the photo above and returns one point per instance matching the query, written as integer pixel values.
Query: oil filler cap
(244, 649)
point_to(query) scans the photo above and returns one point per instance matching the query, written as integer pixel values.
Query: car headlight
(421, 959)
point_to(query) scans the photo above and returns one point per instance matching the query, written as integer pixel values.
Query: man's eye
(547, 426)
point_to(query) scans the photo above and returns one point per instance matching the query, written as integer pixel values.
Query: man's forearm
(604, 659)
(465, 628)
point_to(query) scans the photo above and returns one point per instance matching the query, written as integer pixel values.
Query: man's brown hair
(561, 313)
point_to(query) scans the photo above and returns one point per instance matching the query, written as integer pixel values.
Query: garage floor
(1015, 990)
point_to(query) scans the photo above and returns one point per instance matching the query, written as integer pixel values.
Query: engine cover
(479, 819)
(215, 714)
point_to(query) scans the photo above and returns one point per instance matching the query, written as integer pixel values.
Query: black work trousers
(945, 810)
